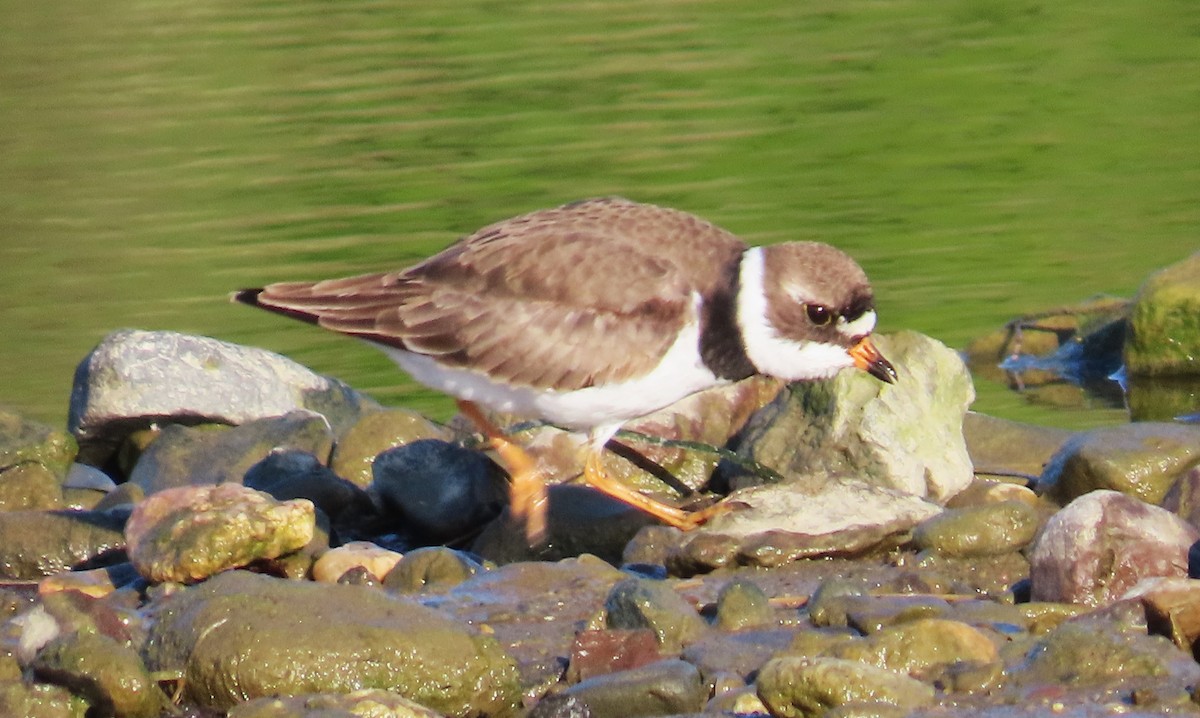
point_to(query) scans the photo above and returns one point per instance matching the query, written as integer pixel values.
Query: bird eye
(818, 314)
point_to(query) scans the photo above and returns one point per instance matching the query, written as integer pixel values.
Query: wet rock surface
(300, 564)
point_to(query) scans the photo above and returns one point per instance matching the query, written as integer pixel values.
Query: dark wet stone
(1102, 544)
(109, 675)
(369, 703)
(743, 604)
(40, 543)
(984, 530)
(581, 521)
(29, 486)
(375, 433)
(291, 474)
(1004, 446)
(211, 454)
(353, 638)
(438, 491)
(25, 441)
(905, 436)
(432, 569)
(134, 378)
(663, 688)
(192, 532)
(1142, 460)
(794, 687)
(642, 603)
(1173, 609)
(1164, 324)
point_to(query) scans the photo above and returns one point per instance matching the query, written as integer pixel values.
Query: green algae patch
(241, 636)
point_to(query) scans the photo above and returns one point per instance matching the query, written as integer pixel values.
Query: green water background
(981, 158)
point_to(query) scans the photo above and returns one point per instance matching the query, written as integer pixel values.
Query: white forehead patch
(769, 352)
(860, 327)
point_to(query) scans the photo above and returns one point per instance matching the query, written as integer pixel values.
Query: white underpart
(860, 327)
(599, 409)
(770, 352)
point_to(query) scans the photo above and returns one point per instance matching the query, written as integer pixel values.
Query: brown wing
(553, 299)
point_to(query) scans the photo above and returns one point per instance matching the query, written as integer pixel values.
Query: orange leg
(527, 494)
(593, 474)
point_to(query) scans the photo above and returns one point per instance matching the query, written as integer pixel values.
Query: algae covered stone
(796, 687)
(1164, 325)
(240, 636)
(192, 532)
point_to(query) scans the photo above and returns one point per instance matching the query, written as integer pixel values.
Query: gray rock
(41, 543)
(133, 378)
(643, 603)
(1164, 324)
(905, 436)
(291, 474)
(775, 524)
(1103, 543)
(1142, 460)
(211, 454)
(662, 688)
(241, 635)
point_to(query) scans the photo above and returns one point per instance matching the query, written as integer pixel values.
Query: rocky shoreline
(220, 531)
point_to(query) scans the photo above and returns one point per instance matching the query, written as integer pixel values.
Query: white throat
(771, 353)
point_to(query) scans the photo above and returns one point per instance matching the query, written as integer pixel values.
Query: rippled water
(982, 158)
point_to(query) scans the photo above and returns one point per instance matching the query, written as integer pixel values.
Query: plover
(594, 313)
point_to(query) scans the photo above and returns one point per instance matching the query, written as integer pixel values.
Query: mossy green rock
(25, 441)
(1083, 652)
(192, 532)
(240, 636)
(922, 647)
(39, 700)
(1164, 336)
(1141, 460)
(906, 436)
(29, 486)
(374, 433)
(984, 530)
(109, 675)
(34, 544)
(795, 687)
